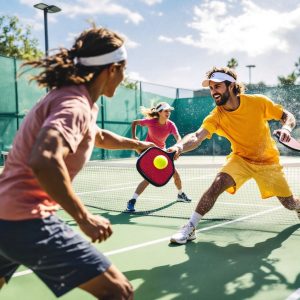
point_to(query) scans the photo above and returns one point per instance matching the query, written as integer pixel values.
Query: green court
(247, 248)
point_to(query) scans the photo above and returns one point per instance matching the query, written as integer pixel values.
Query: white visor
(217, 77)
(164, 106)
(104, 59)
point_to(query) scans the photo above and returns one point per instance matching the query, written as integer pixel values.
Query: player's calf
(110, 285)
(2, 282)
(291, 203)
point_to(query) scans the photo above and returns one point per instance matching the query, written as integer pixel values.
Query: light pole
(250, 67)
(47, 9)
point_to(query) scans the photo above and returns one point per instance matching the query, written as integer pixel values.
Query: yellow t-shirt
(247, 128)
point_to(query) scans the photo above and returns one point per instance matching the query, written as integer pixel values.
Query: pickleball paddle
(146, 167)
(291, 144)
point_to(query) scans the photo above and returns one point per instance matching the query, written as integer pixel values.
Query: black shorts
(59, 256)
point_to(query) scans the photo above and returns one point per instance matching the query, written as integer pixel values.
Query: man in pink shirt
(159, 128)
(54, 142)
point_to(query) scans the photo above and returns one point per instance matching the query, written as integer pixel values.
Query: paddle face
(292, 144)
(146, 168)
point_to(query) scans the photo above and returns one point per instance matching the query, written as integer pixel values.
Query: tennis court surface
(247, 248)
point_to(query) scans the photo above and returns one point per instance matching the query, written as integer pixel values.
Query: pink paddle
(292, 144)
(146, 168)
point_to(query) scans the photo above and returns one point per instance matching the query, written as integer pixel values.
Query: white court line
(22, 273)
(104, 191)
(143, 245)
(294, 296)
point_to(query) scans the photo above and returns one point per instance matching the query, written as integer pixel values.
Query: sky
(175, 42)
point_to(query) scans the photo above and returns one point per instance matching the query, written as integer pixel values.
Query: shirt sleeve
(71, 117)
(174, 129)
(210, 123)
(144, 122)
(273, 111)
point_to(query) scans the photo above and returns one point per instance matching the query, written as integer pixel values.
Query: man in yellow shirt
(243, 120)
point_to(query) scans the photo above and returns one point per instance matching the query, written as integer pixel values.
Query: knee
(218, 186)
(121, 291)
(2, 282)
(110, 285)
(176, 180)
(288, 206)
(176, 175)
(291, 202)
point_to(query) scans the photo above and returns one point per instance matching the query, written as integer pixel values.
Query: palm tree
(297, 65)
(288, 80)
(232, 63)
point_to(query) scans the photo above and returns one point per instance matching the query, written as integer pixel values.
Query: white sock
(135, 196)
(179, 192)
(195, 218)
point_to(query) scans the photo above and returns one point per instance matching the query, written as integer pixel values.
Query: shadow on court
(216, 272)
(127, 219)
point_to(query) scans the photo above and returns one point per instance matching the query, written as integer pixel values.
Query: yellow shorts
(269, 178)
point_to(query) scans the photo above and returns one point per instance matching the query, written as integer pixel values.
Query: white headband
(164, 106)
(218, 77)
(104, 59)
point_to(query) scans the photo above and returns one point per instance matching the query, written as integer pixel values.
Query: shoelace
(185, 229)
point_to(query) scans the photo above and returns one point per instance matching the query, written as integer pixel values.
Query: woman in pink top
(55, 140)
(159, 128)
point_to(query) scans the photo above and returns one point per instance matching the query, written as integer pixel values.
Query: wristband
(287, 127)
(180, 147)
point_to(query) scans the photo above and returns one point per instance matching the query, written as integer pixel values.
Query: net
(109, 185)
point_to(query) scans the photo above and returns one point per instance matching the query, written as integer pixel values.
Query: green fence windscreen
(17, 97)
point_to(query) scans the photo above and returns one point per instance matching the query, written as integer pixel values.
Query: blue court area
(247, 248)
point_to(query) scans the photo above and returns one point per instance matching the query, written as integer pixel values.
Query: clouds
(135, 76)
(129, 43)
(172, 42)
(151, 2)
(94, 7)
(165, 39)
(77, 8)
(239, 26)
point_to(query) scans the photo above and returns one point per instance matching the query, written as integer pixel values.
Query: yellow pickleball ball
(160, 162)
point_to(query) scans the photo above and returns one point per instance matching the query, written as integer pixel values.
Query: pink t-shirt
(158, 133)
(68, 110)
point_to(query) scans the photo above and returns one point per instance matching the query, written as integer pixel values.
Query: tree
(256, 86)
(232, 63)
(261, 84)
(288, 80)
(16, 40)
(297, 65)
(129, 84)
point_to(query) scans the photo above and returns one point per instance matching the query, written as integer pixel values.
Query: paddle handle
(171, 155)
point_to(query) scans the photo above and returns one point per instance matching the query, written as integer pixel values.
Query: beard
(224, 98)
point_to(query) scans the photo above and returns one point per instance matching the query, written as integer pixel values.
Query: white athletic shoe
(186, 233)
(183, 198)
